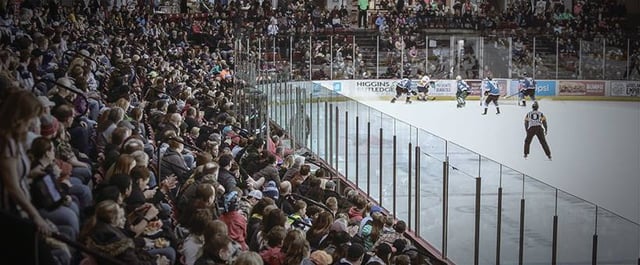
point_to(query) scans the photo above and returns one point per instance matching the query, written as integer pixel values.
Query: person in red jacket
(236, 222)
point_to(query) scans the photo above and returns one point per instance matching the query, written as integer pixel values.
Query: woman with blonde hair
(17, 112)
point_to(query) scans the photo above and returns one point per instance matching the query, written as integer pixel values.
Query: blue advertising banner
(546, 87)
(543, 87)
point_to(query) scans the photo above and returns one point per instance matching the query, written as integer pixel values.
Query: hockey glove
(414, 93)
(486, 93)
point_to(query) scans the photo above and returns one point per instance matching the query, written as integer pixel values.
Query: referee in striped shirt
(535, 123)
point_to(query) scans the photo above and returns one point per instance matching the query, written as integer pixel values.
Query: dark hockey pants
(539, 132)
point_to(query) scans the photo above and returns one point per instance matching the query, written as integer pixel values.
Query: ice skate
(485, 111)
(393, 100)
(497, 111)
(526, 156)
(549, 157)
(408, 101)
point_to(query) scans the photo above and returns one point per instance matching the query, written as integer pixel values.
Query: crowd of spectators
(120, 130)
(402, 24)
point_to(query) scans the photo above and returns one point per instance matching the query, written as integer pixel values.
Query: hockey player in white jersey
(423, 88)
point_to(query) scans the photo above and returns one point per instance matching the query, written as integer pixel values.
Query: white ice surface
(595, 145)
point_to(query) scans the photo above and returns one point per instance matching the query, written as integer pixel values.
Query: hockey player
(423, 88)
(403, 87)
(462, 92)
(492, 93)
(527, 88)
(535, 123)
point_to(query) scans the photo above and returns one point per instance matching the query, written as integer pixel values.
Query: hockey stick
(509, 96)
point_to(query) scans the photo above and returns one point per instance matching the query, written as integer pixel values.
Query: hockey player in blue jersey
(527, 88)
(462, 92)
(403, 87)
(492, 93)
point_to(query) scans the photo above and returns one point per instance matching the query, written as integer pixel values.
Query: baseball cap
(376, 209)
(255, 194)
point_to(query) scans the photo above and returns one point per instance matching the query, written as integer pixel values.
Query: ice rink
(595, 145)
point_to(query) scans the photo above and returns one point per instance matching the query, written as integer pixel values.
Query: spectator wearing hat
(236, 223)
(270, 190)
(368, 218)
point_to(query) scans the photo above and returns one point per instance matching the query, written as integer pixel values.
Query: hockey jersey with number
(527, 83)
(492, 87)
(535, 118)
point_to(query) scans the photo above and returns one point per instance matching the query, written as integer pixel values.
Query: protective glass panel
(462, 159)
(510, 231)
(617, 239)
(431, 194)
(320, 57)
(490, 176)
(495, 57)
(366, 56)
(387, 123)
(462, 189)
(615, 58)
(404, 155)
(591, 59)
(539, 211)
(545, 52)
(576, 225)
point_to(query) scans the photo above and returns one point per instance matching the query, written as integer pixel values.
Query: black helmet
(535, 105)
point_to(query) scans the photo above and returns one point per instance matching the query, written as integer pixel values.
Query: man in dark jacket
(225, 177)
